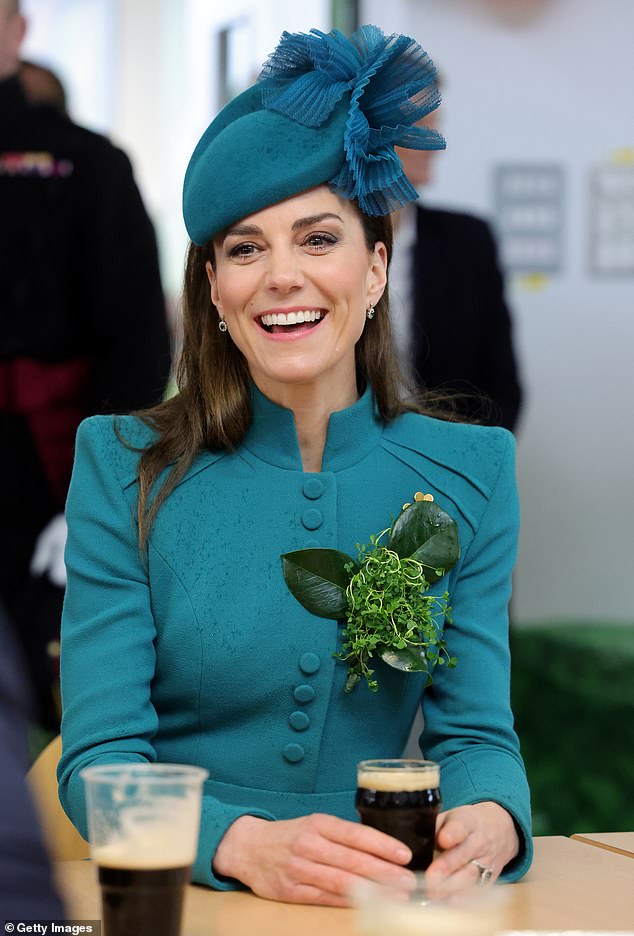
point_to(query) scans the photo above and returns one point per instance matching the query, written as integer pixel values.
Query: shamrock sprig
(382, 596)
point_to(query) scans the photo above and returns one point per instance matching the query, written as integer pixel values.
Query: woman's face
(293, 283)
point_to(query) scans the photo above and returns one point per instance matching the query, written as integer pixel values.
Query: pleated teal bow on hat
(325, 109)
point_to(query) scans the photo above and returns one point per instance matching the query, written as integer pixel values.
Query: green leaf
(428, 534)
(410, 659)
(318, 578)
(353, 679)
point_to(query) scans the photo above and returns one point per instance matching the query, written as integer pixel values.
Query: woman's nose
(284, 273)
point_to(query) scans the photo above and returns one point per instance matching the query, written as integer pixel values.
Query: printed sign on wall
(530, 217)
(612, 220)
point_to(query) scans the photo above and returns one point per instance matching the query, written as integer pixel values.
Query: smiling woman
(290, 436)
(293, 283)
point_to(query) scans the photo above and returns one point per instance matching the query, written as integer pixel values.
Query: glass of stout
(402, 798)
(143, 822)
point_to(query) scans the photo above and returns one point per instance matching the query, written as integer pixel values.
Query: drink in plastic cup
(143, 822)
(402, 798)
(441, 910)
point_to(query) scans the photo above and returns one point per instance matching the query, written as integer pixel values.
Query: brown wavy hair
(212, 409)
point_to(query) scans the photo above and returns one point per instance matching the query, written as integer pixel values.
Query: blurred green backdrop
(573, 700)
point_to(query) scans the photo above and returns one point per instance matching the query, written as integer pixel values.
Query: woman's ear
(377, 274)
(211, 276)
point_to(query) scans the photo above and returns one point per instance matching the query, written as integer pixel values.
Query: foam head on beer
(406, 777)
(151, 839)
(143, 815)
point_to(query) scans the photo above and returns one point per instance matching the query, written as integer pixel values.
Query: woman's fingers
(482, 833)
(336, 855)
(313, 859)
(450, 831)
(460, 859)
(319, 859)
(359, 837)
(334, 880)
(360, 857)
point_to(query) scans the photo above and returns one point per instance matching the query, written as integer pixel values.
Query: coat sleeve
(108, 655)
(468, 723)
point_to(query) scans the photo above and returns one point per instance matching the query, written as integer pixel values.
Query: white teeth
(291, 318)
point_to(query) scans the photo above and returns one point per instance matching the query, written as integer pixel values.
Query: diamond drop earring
(222, 325)
(370, 313)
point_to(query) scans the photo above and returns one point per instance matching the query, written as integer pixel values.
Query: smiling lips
(277, 323)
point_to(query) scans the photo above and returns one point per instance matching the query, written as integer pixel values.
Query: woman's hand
(484, 832)
(315, 859)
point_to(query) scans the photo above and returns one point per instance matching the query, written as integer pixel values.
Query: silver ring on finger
(486, 873)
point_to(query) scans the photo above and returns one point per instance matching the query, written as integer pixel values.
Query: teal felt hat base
(250, 158)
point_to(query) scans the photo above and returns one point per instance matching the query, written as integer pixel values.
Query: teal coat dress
(199, 654)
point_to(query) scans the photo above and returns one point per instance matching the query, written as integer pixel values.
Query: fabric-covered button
(309, 663)
(312, 544)
(299, 721)
(294, 753)
(313, 488)
(304, 693)
(312, 518)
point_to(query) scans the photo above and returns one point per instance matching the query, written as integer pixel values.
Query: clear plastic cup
(438, 910)
(143, 823)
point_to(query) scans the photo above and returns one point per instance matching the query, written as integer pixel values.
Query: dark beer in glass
(142, 900)
(401, 797)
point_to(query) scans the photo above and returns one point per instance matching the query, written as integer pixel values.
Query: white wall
(557, 90)
(76, 39)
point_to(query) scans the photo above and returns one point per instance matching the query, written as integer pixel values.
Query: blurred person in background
(42, 86)
(26, 887)
(452, 324)
(83, 330)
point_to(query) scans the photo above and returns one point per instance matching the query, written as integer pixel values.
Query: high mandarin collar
(352, 433)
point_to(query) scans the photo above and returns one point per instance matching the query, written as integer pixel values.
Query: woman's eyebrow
(242, 229)
(315, 219)
(250, 230)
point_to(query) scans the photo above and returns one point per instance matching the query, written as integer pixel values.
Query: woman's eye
(242, 250)
(320, 241)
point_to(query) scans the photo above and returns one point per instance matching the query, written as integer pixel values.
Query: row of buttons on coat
(309, 664)
(312, 518)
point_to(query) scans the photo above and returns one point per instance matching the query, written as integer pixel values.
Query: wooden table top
(620, 842)
(571, 886)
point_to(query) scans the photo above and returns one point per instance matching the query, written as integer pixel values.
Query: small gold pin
(405, 506)
(419, 496)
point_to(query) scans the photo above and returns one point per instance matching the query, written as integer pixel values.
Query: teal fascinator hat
(325, 109)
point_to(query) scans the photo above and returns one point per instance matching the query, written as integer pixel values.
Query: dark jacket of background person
(82, 328)
(461, 324)
(26, 888)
